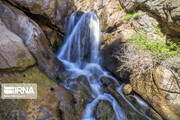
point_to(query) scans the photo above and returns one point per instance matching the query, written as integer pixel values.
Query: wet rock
(107, 81)
(54, 13)
(130, 113)
(53, 101)
(33, 38)
(14, 55)
(104, 111)
(127, 89)
(82, 94)
(55, 38)
(153, 114)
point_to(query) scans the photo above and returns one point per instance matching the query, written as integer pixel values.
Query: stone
(165, 11)
(14, 56)
(50, 12)
(167, 83)
(53, 101)
(54, 37)
(104, 111)
(106, 81)
(127, 89)
(33, 38)
(149, 91)
(81, 91)
(153, 114)
(130, 113)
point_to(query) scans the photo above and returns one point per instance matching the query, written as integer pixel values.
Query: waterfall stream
(80, 55)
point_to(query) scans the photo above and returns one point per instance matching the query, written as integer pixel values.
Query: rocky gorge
(34, 31)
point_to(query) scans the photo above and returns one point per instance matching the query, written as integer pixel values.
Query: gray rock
(13, 54)
(51, 12)
(32, 36)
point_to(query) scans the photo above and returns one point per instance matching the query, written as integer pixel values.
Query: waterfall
(82, 47)
(80, 55)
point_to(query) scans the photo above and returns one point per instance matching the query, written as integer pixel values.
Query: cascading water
(80, 55)
(80, 46)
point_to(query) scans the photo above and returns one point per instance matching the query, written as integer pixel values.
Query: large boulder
(53, 101)
(32, 36)
(167, 82)
(52, 12)
(104, 111)
(54, 37)
(13, 54)
(144, 85)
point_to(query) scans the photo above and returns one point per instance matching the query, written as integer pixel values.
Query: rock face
(166, 11)
(13, 54)
(22, 44)
(53, 102)
(52, 12)
(167, 82)
(144, 86)
(32, 36)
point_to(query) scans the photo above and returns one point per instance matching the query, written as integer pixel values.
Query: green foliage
(158, 30)
(157, 47)
(135, 15)
(119, 8)
(129, 16)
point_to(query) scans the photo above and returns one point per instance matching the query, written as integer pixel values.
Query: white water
(80, 55)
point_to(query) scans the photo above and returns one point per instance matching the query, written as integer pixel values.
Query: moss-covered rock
(53, 101)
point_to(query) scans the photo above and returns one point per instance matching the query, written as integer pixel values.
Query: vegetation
(157, 47)
(145, 53)
(158, 30)
(129, 16)
(119, 8)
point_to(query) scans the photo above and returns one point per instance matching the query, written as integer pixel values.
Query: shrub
(144, 53)
(157, 47)
(129, 16)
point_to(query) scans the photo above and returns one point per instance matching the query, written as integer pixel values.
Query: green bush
(129, 16)
(157, 47)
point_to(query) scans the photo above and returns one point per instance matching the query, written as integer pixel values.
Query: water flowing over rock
(83, 39)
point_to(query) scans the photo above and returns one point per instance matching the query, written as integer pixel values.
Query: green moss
(30, 75)
(104, 117)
